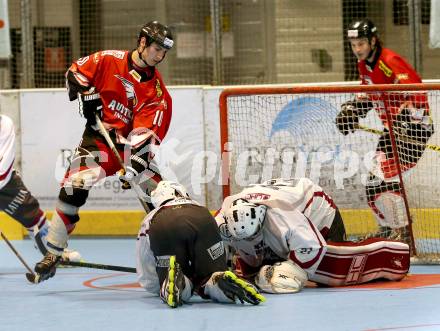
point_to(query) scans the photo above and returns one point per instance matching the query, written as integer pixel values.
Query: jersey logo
(116, 54)
(216, 250)
(129, 90)
(82, 60)
(257, 196)
(158, 89)
(402, 76)
(386, 70)
(135, 75)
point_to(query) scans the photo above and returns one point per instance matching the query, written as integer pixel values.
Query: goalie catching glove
(281, 277)
(90, 105)
(347, 120)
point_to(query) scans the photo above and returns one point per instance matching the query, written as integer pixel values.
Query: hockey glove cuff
(89, 106)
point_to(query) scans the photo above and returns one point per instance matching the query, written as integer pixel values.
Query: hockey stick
(98, 266)
(435, 148)
(104, 133)
(17, 254)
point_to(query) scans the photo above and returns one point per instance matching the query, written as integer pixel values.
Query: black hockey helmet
(155, 32)
(362, 29)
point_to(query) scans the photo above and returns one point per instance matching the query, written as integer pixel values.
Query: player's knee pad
(74, 196)
(281, 277)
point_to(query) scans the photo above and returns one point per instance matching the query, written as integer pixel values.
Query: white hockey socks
(58, 232)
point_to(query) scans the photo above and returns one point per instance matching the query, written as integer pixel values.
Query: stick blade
(33, 278)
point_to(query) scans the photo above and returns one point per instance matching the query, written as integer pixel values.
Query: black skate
(173, 285)
(47, 267)
(236, 288)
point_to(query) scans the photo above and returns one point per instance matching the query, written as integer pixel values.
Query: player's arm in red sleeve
(413, 120)
(403, 73)
(80, 75)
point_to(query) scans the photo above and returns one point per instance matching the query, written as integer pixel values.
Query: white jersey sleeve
(7, 149)
(306, 244)
(145, 260)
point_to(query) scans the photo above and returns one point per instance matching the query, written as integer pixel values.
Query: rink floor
(89, 299)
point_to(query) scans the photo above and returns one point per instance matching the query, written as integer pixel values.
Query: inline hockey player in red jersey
(411, 122)
(125, 89)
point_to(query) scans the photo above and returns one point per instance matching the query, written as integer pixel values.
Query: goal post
(384, 172)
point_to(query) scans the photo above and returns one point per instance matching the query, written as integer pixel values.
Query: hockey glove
(408, 125)
(229, 288)
(127, 177)
(347, 120)
(89, 106)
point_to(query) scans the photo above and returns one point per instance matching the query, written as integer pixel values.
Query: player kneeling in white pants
(180, 252)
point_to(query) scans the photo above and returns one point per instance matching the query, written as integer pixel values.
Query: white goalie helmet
(244, 219)
(166, 191)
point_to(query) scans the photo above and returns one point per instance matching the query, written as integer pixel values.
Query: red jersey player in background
(411, 123)
(126, 91)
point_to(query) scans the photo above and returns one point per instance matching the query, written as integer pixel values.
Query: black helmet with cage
(156, 32)
(362, 29)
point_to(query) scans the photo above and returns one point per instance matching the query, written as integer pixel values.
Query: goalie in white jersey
(179, 251)
(286, 232)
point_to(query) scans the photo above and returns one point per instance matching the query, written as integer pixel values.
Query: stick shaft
(99, 266)
(435, 148)
(104, 133)
(16, 253)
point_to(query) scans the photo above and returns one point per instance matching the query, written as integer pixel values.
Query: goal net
(383, 173)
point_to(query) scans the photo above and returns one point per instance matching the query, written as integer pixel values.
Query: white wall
(49, 128)
(52, 128)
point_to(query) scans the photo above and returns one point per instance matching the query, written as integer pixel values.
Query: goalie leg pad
(389, 210)
(281, 277)
(356, 263)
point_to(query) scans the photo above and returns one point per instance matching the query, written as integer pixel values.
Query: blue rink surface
(89, 299)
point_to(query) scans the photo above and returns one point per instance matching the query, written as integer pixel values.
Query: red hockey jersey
(391, 68)
(129, 105)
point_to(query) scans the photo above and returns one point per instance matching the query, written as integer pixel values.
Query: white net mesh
(287, 135)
